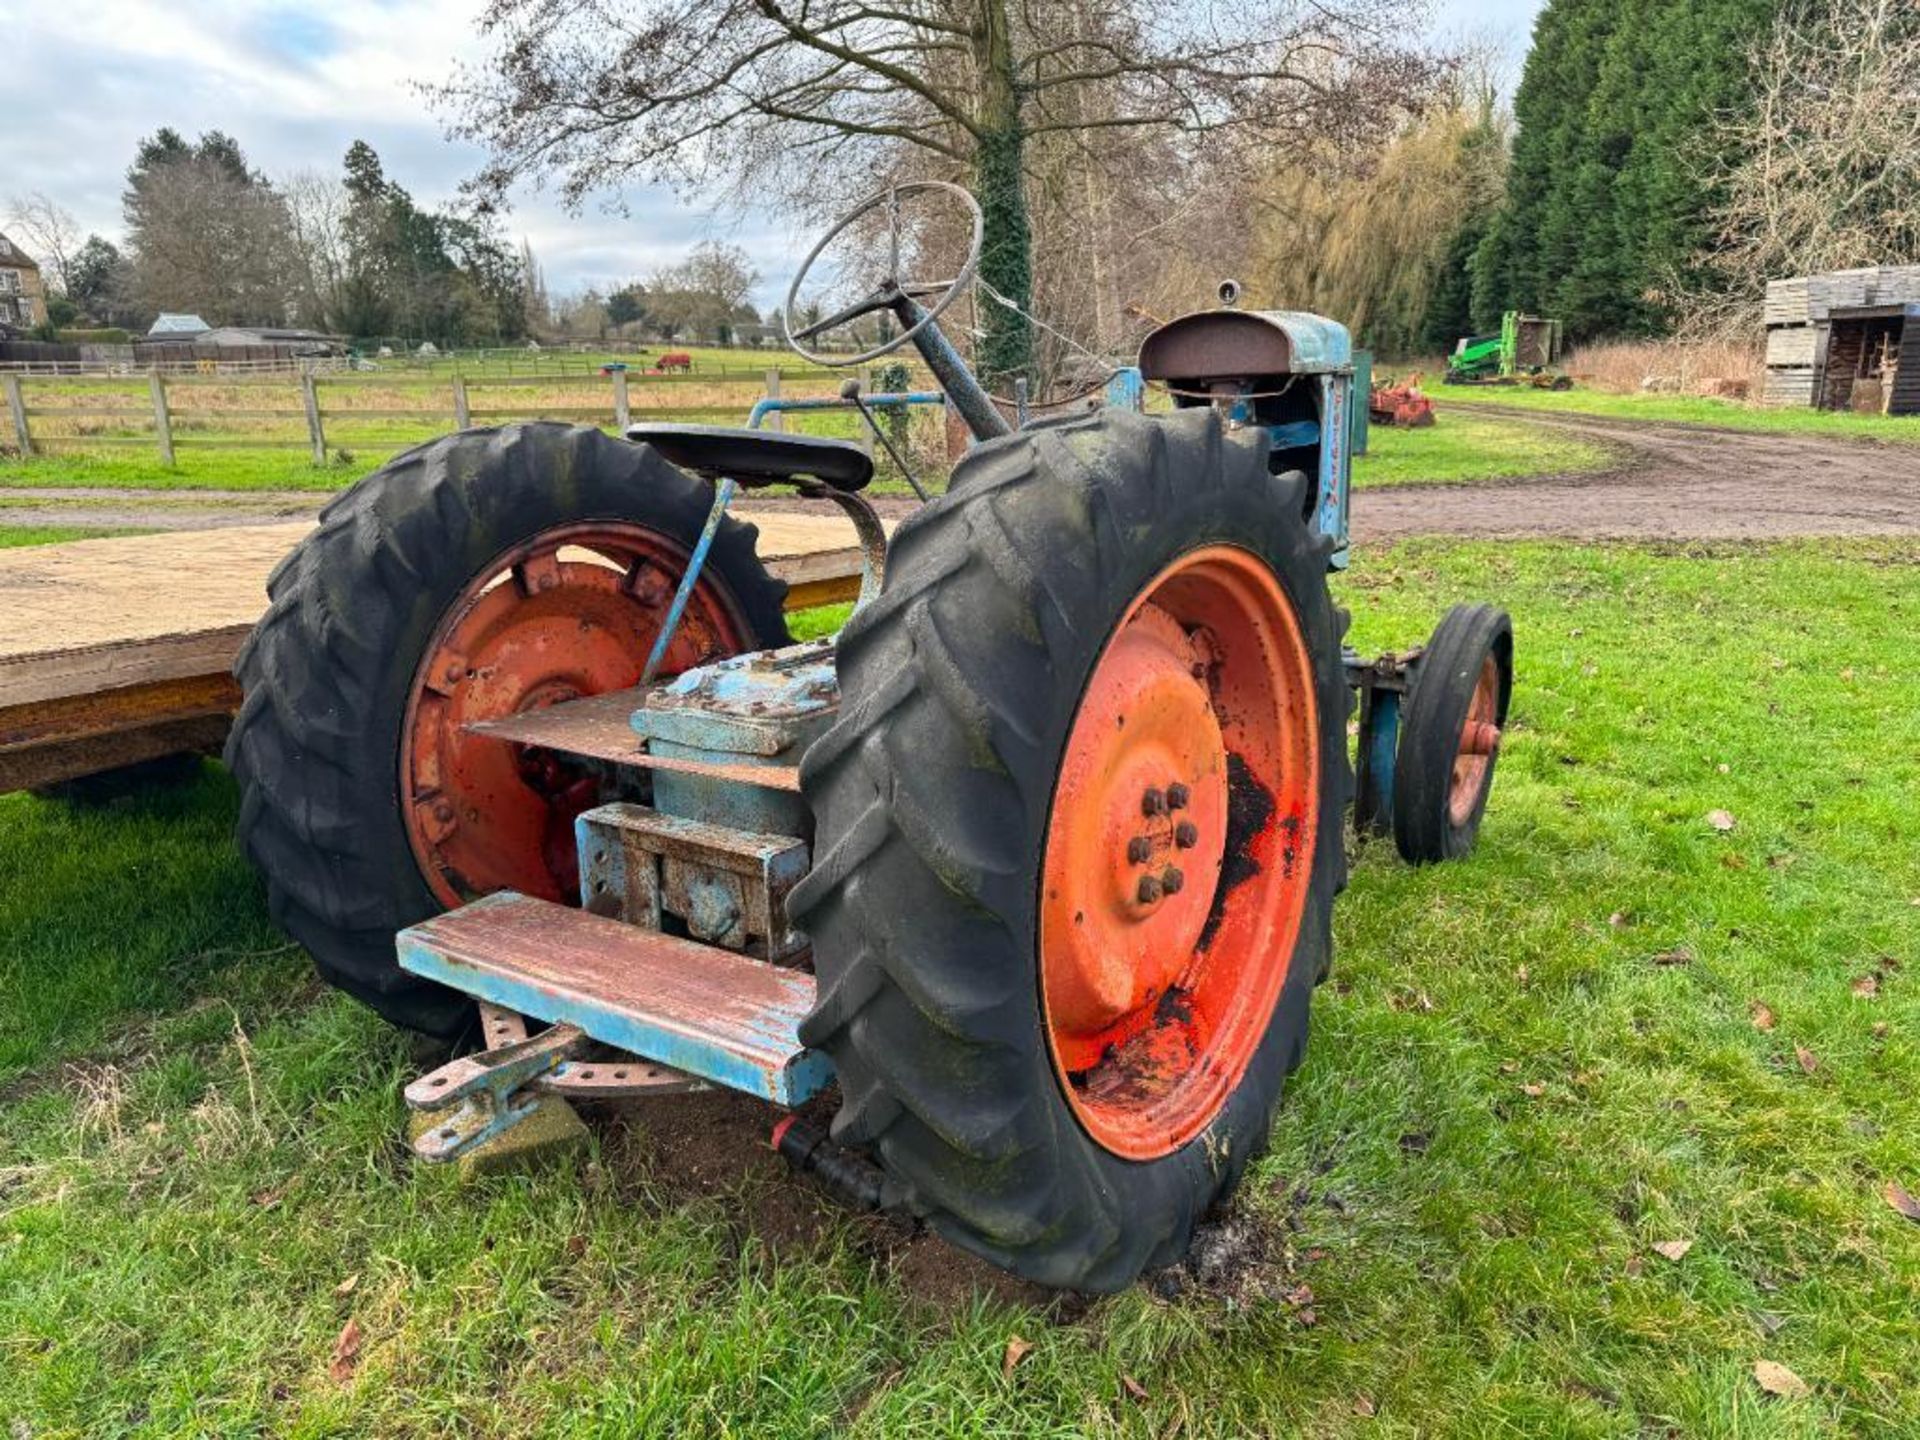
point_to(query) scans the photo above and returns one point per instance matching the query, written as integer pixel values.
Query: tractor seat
(758, 457)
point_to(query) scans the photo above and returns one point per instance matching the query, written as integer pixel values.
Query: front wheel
(1450, 734)
(1078, 835)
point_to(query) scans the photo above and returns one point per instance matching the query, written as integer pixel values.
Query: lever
(850, 390)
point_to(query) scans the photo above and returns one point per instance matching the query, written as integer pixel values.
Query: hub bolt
(1186, 834)
(1177, 796)
(1153, 803)
(1172, 881)
(1149, 890)
(1139, 850)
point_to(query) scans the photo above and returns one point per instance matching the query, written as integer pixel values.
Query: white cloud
(295, 84)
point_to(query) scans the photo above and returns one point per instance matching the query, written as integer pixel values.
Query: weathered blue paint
(1295, 434)
(722, 496)
(1126, 389)
(890, 400)
(1336, 463)
(1320, 346)
(754, 1047)
(1363, 395)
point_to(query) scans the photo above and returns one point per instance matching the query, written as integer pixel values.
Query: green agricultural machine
(1523, 353)
(1010, 900)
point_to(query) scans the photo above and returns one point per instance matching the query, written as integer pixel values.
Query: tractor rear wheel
(1078, 834)
(487, 573)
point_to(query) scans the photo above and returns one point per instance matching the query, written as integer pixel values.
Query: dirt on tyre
(1078, 837)
(487, 573)
(1450, 734)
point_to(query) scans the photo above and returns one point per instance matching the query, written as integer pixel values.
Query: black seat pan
(758, 457)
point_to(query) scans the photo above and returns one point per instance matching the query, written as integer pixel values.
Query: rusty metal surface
(600, 728)
(706, 1011)
(615, 1077)
(729, 886)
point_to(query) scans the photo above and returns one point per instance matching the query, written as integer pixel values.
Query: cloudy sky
(296, 83)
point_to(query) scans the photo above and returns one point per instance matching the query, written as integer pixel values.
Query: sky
(296, 83)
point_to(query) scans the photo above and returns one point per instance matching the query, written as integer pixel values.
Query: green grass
(15, 536)
(1694, 409)
(1458, 449)
(1508, 1100)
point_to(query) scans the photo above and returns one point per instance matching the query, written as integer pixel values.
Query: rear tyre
(1450, 734)
(976, 808)
(489, 572)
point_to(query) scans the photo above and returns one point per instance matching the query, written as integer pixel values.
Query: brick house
(23, 299)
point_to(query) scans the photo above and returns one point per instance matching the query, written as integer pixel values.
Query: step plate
(710, 1012)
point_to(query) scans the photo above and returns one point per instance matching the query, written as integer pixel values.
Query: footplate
(713, 1014)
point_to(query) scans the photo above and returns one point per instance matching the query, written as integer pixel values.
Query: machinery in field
(1401, 404)
(1026, 878)
(1523, 353)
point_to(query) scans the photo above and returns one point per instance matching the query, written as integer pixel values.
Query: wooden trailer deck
(118, 651)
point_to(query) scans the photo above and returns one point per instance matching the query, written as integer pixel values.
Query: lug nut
(1149, 890)
(1186, 834)
(1139, 850)
(1172, 881)
(1153, 803)
(1177, 796)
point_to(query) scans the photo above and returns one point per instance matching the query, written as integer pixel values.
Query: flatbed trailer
(118, 651)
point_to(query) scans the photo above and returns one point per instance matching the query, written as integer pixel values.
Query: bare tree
(1825, 163)
(50, 234)
(317, 208)
(791, 99)
(705, 293)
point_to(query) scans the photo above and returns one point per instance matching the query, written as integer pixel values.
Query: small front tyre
(1450, 734)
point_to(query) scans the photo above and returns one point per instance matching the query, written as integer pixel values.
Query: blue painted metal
(1320, 346)
(1336, 463)
(1363, 394)
(1127, 389)
(713, 1014)
(1295, 434)
(722, 495)
(760, 709)
(963, 389)
(889, 400)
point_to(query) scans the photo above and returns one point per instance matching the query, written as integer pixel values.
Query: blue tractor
(1011, 898)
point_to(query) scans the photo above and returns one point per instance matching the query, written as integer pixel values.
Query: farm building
(23, 299)
(1847, 340)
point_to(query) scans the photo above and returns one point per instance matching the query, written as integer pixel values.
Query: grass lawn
(1459, 448)
(1528, 1072)
(14, 536)
(1696, 409)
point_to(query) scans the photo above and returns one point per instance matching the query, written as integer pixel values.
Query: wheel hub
(570, 613)
(1179, 852)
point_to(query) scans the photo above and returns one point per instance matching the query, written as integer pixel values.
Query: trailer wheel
(490, 572)
(1450, 734)
(1078, 835)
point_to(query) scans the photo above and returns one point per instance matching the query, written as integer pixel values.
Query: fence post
(311, 401)
(162, 421)
(776, 420)
(462, 416)
(17, 407)
(622, 413)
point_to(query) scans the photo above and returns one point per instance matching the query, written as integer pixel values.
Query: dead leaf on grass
(1618, 920)
(1679, 955)
(272, 1195)
(1809, 1061)
(1674, 1250)
(1777, 1379)
(1880, 1028)
(1866, 987)
(1521, 975)
(346, 1352)
(1721, 820)
(1363, 1406)
(1635, 1265)
(1762, 1013)
(1135, 1390)
(1898, 1197)
(1532, 1090)
(1016, 1351)
(346, 1287)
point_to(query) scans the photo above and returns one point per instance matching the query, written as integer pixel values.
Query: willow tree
(793, 101)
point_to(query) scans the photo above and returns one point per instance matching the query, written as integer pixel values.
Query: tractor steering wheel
(888, 292)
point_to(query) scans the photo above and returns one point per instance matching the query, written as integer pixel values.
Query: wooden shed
(1846, 340)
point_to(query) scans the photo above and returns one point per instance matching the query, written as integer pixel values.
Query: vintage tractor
(1025, 880)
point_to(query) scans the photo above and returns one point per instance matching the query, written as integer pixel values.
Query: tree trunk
(1006, 256)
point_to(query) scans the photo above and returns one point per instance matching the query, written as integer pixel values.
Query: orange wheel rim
(1179, 852)
(569, 613)
(1479, 742)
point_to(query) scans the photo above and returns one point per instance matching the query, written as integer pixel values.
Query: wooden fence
(316, 412)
